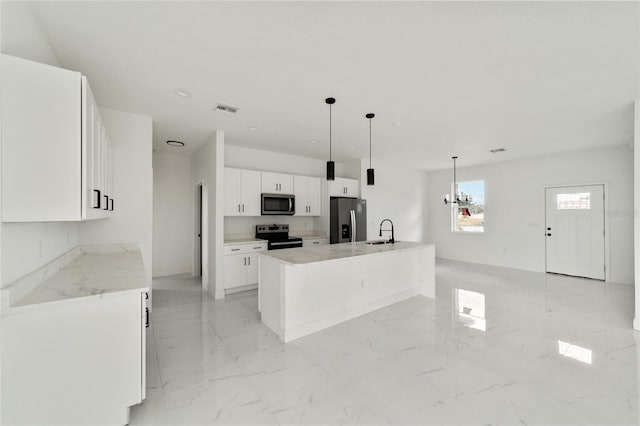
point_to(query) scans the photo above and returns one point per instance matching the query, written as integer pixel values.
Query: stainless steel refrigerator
(348, 220)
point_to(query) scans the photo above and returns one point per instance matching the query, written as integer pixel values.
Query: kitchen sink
(377, 242)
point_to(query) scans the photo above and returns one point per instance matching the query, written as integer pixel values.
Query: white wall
(131, 137)
(636, 191)
(207, 166)
(27, 246)
(172, 214)
(22, 35)
(256, 159)
(515, 214)
(399, 194)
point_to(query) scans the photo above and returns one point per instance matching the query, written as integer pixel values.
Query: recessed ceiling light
(175, 143)
(253, 128)
(314, 141)
(183, 93)
(396, 124)
(497, 150)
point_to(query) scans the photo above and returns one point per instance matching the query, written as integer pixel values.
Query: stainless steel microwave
(278, 204)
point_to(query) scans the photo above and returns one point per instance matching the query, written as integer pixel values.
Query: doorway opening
(575, 231)
(200, 246)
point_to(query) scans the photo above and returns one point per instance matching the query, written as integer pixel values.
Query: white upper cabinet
(49, 156)
(342, 187)
(241, 192)
(277, 183)
(308, 195)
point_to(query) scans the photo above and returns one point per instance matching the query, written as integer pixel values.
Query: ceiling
(443, 78)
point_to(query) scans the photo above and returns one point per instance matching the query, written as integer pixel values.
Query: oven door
(278, 204)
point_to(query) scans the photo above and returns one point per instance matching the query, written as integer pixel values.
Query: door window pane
(575, 201)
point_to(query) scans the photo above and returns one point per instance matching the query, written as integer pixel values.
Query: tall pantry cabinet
(56, 153)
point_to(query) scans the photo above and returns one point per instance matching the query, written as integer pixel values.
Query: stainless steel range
(278, 236)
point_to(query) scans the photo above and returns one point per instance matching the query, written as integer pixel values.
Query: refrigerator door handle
(353, 226)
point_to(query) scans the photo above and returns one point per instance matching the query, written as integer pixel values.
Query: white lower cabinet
(309, 242)
(78, 362)
(242, 264)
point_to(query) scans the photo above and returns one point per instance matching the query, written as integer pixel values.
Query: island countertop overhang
(329, 252)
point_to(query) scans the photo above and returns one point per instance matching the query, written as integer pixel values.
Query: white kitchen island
(305, 290)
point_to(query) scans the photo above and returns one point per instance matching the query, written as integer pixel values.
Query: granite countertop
(97, 271)
(239, 240)
(322, 253)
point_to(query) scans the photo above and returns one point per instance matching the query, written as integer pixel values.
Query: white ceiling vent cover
(226, 109)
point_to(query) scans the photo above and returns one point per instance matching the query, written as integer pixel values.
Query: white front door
(575, 231)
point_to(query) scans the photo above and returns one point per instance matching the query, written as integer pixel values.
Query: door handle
(549, 234)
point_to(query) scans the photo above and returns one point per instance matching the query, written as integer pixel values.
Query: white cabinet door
(308, 195)
(342, 187)
(286, 184)
(89, 194)
(250, 193)
(41, 142)
(235, 272)
(277, 183)
(300, 190)
(232, 192)
(314, 242)
(253, 268)
(353, 187)
(314, 196)
(97, 173)
(270, 183)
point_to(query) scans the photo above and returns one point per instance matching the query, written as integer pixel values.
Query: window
(576, 201)
(468, 215)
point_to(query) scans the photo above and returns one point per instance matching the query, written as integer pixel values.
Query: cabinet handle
(245, 261)
(111, 206)
(239, 208)
(316, 242)
(235, 249)
(243, 208)
(98, 198)
(106, 202)
(257, 248)
(249, 259)
(147, 317)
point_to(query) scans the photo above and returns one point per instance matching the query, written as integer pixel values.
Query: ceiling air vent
(226, 109)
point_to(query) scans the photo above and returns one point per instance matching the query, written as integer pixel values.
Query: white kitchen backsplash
(239, 227)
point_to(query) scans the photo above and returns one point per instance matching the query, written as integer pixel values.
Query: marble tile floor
(497, 346)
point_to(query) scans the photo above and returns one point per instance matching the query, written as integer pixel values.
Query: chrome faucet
(392, 240)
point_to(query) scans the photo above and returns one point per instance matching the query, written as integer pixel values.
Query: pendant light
(454, 195)
(370, 173)
(331, 165)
